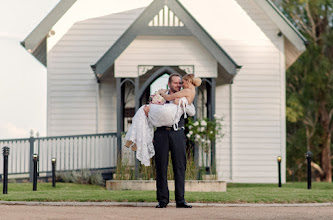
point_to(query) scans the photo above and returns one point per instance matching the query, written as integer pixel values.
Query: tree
(310, 79)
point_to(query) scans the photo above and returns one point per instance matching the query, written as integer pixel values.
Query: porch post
(137, 106)
(119, 120)
(212, 113)
(195, 117)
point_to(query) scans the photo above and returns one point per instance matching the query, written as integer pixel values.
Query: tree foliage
(310, 85)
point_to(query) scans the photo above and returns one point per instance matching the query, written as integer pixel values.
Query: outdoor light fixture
(54, 160)
(35, 161)
(35, 157)
(5, 153)
(279, 168)
(309, 156)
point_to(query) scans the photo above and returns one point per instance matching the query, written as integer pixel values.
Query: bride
(140, 135)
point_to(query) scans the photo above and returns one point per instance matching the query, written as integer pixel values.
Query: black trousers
(175, 142)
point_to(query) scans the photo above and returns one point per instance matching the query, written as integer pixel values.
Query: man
(167, 139)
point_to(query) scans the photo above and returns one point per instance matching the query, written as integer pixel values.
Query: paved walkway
(114, 210)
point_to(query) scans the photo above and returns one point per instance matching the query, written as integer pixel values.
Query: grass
(236, 193)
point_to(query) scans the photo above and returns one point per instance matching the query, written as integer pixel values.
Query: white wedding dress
(141, 132)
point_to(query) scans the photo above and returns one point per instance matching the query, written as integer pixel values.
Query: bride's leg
(146, 109)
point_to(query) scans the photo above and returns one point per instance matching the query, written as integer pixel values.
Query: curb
(153, 204)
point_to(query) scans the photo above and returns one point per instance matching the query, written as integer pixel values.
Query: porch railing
(76, 152)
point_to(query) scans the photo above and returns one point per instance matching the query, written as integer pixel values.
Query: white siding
(165, 51)
(107, 107)
(73, 103)
(258, 130)
(224, 147)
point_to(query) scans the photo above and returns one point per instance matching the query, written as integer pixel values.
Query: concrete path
(107, 210)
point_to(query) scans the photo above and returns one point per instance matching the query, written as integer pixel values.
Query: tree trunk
(326, 152)
(326, 158)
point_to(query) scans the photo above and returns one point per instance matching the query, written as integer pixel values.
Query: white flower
(208, 142)
(190, 127)
(203, 140)
(198, 137)
(196, 123)
(191, 132)
(203, 123)
(211, 132)
(188, 135)
(202, 129)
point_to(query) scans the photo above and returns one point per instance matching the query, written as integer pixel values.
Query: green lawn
(236, 193)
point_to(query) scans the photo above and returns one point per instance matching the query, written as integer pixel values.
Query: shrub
(84, 176)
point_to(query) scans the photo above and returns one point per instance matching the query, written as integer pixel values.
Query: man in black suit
(167, 139)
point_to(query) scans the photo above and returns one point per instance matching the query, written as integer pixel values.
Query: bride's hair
(196, 81)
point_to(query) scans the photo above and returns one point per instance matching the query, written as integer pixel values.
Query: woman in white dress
(140, 135)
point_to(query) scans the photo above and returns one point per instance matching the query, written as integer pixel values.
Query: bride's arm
(180, 94)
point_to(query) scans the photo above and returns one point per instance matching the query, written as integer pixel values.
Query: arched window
(159, 83)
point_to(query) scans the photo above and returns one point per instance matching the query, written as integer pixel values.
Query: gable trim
(43, 28)
(32, 43)
(282, 22)
(141, 24)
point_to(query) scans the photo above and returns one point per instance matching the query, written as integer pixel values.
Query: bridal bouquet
(156, 98)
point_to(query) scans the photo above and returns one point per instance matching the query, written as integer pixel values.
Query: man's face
(175, 84)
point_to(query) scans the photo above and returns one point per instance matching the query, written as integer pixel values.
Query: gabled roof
(141, 27)
(285, 26)
(35, 42)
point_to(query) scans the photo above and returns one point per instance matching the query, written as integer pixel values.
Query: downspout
(230, 127)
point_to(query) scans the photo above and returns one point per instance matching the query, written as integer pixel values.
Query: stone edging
(190, 185)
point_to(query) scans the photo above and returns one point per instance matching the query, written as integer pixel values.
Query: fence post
(31, 165)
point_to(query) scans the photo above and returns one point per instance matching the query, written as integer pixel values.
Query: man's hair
(172, 75)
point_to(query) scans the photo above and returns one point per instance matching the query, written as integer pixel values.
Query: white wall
(107, 120)
(73, 103)
(258, 128)
(165, 51)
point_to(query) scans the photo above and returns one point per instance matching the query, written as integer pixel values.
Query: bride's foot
(128, 143)
(146, 109)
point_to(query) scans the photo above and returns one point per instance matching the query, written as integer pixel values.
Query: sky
(22, 77)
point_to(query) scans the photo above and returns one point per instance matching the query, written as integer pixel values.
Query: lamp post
(5, 169)
(279, 168)
(53, 171)
(309, 156)
(35, 161)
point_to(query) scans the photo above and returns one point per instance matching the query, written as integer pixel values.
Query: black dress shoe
(161, 205)
(183, 205)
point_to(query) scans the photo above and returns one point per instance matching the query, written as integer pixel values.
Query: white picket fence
(96, 151)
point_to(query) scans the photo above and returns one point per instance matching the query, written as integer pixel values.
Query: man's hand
(162, 91)
(146, 109)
